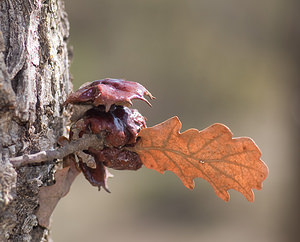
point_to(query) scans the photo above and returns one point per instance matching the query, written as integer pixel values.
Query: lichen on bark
(34, 82)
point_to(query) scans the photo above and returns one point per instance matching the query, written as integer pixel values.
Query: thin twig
(83, 143)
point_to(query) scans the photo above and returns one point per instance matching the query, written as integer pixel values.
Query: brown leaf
(50, 195)
(211, 154)
(108, 92)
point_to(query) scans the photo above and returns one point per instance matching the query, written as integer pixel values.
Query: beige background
(205, 61)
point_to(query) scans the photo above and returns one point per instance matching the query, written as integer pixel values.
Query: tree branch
(87, 141)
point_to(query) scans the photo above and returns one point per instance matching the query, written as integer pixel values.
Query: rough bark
(34, 82)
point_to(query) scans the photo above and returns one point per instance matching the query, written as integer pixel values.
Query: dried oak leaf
(211, 154)
(108, 92)
(50, 195)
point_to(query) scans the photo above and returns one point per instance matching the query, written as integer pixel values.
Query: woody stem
(87, 141)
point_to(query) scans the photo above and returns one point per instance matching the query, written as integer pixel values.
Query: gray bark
(34, 82)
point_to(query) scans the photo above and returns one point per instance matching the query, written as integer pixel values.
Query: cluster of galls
(106, 114)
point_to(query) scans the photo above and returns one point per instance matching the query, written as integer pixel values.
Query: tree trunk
(34, 82)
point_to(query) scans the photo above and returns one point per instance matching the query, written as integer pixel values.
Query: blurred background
(206, 61)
